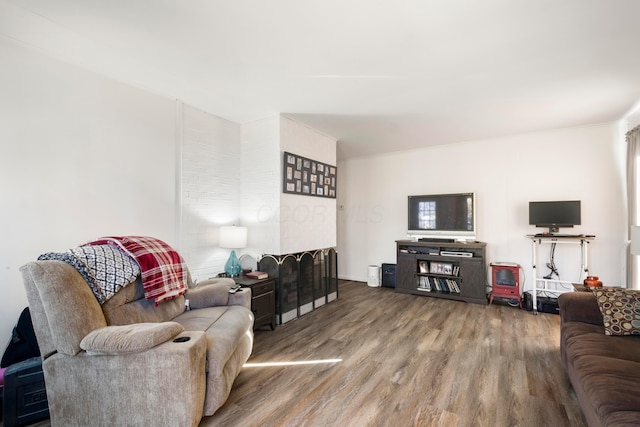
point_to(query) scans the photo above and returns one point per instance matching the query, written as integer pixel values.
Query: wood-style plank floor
(379, 358)
(404, 360)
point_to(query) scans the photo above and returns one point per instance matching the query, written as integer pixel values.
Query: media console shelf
(441, 269)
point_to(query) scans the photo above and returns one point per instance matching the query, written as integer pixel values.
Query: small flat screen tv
(555, 214)
(442, 216)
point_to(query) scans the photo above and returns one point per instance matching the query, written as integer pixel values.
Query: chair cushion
(224, 327)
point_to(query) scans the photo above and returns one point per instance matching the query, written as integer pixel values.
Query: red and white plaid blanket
(164, 273)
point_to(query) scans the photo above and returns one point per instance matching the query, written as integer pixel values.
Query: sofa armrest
(215, 292)
(164, 385)
(579, 307)
(242, 297)
(127, 339)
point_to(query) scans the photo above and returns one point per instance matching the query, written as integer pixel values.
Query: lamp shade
(233, 237)
(635, 240)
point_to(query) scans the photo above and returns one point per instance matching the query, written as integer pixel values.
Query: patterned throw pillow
(620, 310)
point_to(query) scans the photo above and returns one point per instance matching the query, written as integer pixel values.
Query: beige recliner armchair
(130, 362)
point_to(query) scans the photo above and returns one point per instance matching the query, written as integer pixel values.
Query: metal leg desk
(542, 284)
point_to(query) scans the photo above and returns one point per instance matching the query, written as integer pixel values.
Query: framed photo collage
(308, 177)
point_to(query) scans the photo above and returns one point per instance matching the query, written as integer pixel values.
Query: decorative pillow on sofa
(620, 310)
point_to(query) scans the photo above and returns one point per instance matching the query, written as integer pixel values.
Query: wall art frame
(308, 177)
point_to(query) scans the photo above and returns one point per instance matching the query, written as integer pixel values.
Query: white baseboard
(353, 278)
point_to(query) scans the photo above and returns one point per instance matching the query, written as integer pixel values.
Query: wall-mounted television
(555, 214)
(442, 216)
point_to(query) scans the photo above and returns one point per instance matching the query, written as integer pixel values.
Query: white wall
(260, 184)
(584, 163)
(283, 223)
(209, 187)
(80, 157)
(306, 222)
(632, 118)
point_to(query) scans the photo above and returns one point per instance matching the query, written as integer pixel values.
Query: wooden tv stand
(441, 270)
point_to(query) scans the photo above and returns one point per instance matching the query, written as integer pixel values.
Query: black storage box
(25, 397)
(545, 304)
(548, 305)
(389, 275)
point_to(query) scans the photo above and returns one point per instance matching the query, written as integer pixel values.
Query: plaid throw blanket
(164, 273)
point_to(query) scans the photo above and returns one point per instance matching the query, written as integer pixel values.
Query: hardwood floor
(404, 361)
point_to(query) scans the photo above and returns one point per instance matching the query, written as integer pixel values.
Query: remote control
(235, 288)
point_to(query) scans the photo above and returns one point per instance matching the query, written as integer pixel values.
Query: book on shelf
(438, 284)
(257, 275)
(423, 284)
(444, 285)
(453, 286)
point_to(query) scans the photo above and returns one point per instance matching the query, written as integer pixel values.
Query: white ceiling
(378, 75)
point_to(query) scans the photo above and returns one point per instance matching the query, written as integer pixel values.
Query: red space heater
(505, 281)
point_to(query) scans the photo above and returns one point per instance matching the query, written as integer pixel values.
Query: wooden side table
(263, 300)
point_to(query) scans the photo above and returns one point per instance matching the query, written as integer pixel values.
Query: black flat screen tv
(555, 214)
(442, 216)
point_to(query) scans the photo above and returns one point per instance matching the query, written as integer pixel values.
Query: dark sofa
(603, 369)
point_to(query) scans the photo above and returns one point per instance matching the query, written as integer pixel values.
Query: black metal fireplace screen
(304, 281)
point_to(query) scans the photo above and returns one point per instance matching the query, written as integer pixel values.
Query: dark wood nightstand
(263, 300)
